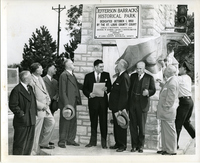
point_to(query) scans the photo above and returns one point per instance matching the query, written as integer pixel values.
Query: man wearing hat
(185, 108)
(52, 86)
(117, 103)
(69, 97)
(98, 106)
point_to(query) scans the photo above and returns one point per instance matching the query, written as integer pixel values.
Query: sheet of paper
(98, 89)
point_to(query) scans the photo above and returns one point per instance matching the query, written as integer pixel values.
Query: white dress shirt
(96, 74)
(185, 85)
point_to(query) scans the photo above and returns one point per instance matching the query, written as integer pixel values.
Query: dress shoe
(113, 147)
(166, 153)
(73, 143)
(89, 145)
(120, 149)
(161, 152)
(62, 145)
(47, 147)
(104, 147)
(51, 143)
(134, 149)
(140, 150)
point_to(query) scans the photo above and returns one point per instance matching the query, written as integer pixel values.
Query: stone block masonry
(153, 19)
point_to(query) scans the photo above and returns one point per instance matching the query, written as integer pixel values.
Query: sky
(22, 20)
(22, 17)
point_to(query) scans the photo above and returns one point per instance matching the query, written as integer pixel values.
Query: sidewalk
(186, 145)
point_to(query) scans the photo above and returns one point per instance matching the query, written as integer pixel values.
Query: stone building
(150, 35)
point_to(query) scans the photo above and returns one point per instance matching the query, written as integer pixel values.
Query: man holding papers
(97, 85)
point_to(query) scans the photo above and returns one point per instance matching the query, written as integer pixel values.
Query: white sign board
(116, 22)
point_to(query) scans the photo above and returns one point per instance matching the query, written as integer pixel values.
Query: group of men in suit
(130, 93)
(33, 120)
(34, 101)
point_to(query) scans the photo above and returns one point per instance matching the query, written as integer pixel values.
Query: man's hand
(104, 89)
(55, 97)
(92, 95)
(45, 108)
(145, 92)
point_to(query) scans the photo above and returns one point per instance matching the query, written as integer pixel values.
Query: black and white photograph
(103, 81)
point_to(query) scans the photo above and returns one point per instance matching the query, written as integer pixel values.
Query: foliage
(186, 53)
(41, 48)
(74, 24)
(74, 28)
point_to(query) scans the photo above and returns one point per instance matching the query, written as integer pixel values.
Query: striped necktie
(98, 79)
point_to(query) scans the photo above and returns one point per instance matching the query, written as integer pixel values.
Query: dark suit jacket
(52, 86)
(147, 83)
(118, 99)
(88, 86)
(20, 103)
(68, 90)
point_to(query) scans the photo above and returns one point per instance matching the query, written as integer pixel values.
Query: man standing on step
(22, 103)
(52, 86)
(166, 111)
(118, 101)
(69, 94)
(142, 87)
(98, 106)
(45, 122)
(185, 108)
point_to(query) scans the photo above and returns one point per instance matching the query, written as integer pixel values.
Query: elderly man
(52, 86)
(142, 87)
(98, 106)
(166, 111)
(45, 121)
(22, 103)
(68, 95)
(117, 102)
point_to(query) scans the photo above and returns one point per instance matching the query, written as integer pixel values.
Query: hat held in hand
(68, 112)
(122, 119)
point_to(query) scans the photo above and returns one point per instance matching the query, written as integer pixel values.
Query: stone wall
(153, 19)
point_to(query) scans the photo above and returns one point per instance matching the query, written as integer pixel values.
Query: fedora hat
(68, 112)
(122, 119)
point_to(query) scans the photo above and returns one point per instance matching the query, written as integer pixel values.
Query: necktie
(28, 88)
(98, 79)
(139, 77)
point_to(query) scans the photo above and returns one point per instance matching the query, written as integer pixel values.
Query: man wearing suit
(166, 111)
(68, 95)
(117, 102)
(185, 108)
(98, 106)
(142, 87)
(45, 121)
(22, 103)
(52, 86)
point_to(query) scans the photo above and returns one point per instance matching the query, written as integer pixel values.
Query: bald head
(140, 67)
(25, 77)
(170, 71)
(122, 65)
(69, 65)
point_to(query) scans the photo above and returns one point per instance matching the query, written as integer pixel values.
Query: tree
(74, 24)
(74, 28)
(186, 53)
(41, 48)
